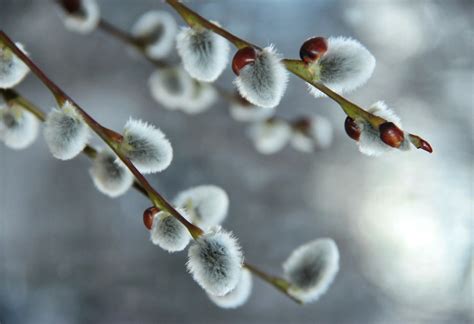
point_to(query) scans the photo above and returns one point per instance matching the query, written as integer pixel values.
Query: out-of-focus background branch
(403, 222)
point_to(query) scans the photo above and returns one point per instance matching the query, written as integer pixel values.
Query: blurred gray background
(403, 222)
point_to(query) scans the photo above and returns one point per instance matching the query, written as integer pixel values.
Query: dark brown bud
(243, 57)
(148, 215)
(313, 49)
(424, 145)
(391, 135)
(71, 6)
(352, 129)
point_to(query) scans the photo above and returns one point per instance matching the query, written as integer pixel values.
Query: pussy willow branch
(110, 138)
(297, 67)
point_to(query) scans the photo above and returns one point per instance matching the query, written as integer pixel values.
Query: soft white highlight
(84, 22)
(264, 81)
(158, 31)
(168, 233)
(171, 86)
(271, 136)
(18, 127)
(206, 205)
(239, 295)
(146, 146)
(204, 96)
(65, 132)
(215, 262)
(249, 113)
(319, 134)
(110, 175)
(204, 53)
(12, 69)
(311, 269)
(345, 66)
(369, 142)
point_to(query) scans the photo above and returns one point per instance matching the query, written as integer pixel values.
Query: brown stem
(127, 38)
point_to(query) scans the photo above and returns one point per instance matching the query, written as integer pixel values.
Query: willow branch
(107, 135)
(297, 67)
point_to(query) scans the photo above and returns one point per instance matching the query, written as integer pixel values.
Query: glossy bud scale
(243, 57)
(313, 49)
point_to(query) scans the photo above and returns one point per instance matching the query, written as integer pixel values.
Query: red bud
(391, 135)
(148, 215)
(313, 49)
(243, 57)
(352, 129)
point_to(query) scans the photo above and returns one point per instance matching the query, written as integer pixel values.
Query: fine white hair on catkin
(206, 205)
(319, 135)
(345, 66)
(238, 296)
(271, 136)
(110, 175)
(311, 269)
(157, 30)
(263, 82)
(204, 96)
(18, 127)
(249, 113)
(215, 262)
(12, 69)
(171, 86)
(204, 53)
(85, 21)
(168, 233)
(369, 141)
(65, 132)
(146, 146)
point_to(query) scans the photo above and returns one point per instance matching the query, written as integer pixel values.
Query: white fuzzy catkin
(65, 132)
(238, 296)
(204, 96)
(18, 127)
(345, 66)
(158, 30)
(318, 135)
(171, 86)
(146, 146)
(263, 82)
(168, 233)
(84, 22)
(249, 113)
(206, 205)
(311, 268)
(12, 69)
(271, 136)
(369, 141)
(110, 175)
(215, 261)
(204, 53)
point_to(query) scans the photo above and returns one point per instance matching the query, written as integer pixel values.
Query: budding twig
(297, 67)
(107, 135)
(104, 134)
